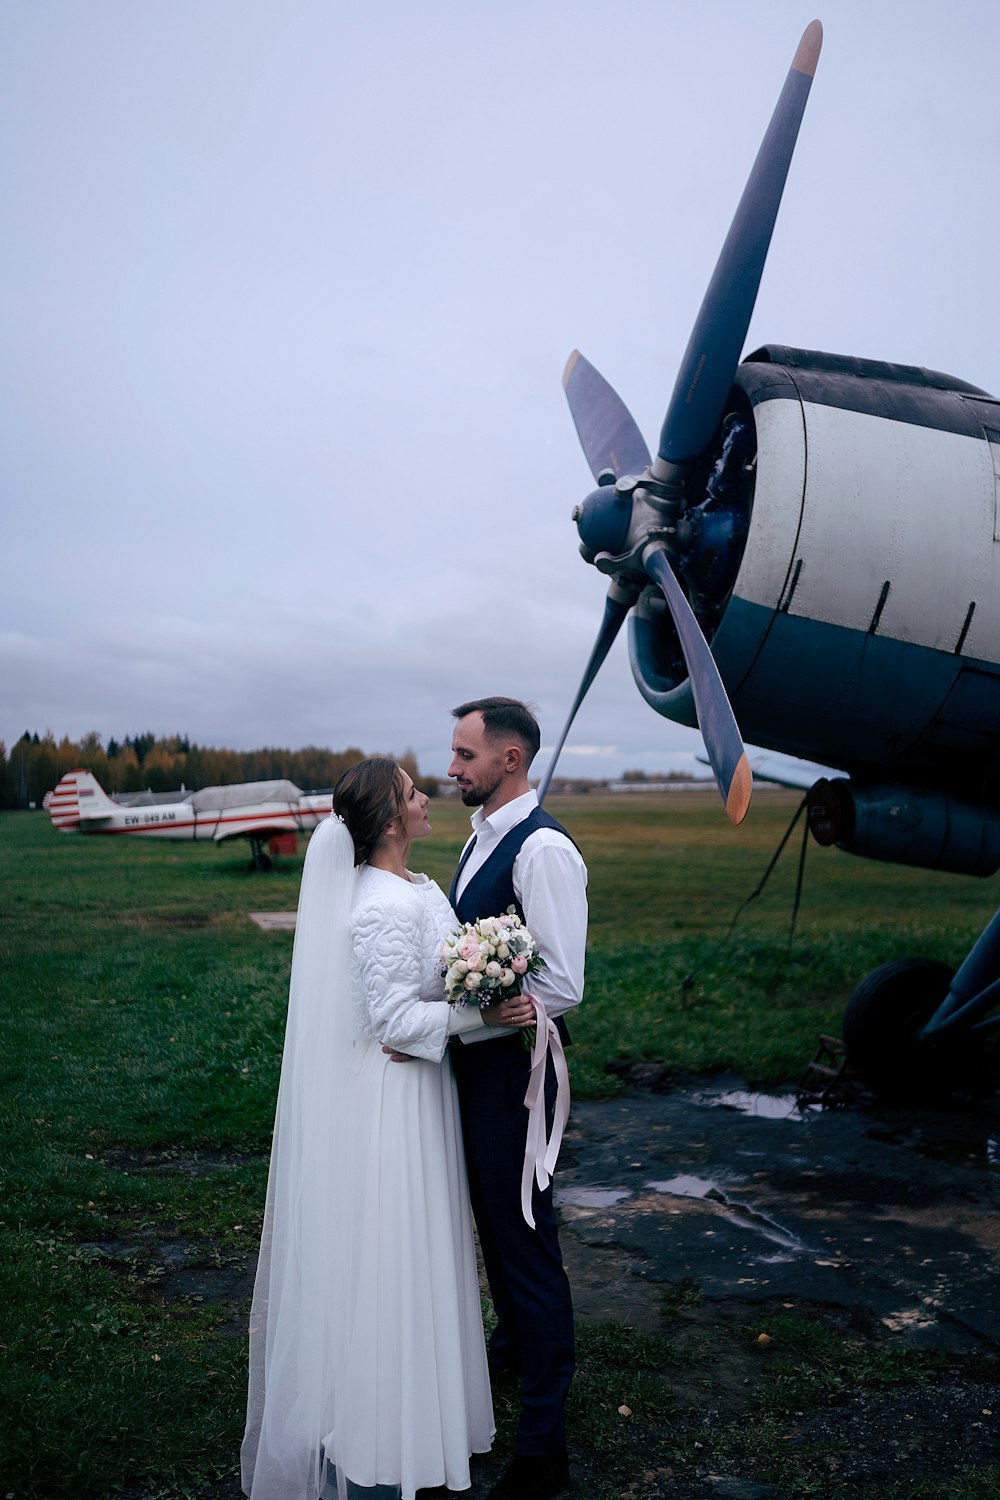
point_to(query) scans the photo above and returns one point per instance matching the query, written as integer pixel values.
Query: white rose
(459, 968)
(507, 977)
(478, 964)
(503, 951)
(493, 969)
(473, 981)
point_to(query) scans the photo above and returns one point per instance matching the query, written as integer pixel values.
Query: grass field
(140, 1038)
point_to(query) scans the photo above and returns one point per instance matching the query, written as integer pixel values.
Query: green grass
(140, 1038)
(812, 1362)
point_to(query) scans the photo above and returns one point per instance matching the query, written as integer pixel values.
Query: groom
(518, 856)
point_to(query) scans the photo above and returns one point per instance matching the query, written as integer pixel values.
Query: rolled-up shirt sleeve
(550, 880)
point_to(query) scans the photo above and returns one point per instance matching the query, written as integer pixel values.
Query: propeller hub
(604, 517)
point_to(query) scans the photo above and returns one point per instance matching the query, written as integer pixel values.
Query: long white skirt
(414, 1392)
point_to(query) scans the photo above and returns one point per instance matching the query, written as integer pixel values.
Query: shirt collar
(506, 817)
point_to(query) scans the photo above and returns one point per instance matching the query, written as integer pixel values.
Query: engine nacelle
(858, 623)
(906, 826)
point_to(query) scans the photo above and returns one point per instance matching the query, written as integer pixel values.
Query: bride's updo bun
(368, 797)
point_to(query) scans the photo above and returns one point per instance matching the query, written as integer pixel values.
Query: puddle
(690, 1187)
(591, 1197)
(686, 1186)
(764, 1106)
(737, 1213)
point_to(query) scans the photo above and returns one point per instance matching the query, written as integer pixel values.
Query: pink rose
(519, 964)
(469, 950)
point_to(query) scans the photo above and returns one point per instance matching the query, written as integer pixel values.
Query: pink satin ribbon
(540, 1155)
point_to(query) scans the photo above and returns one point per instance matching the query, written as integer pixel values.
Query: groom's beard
(477, 795)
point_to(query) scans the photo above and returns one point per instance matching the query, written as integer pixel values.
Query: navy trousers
(529, 1287)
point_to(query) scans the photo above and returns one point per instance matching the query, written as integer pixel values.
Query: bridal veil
(299, 1315)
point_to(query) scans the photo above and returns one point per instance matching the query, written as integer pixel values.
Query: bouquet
(488, 960)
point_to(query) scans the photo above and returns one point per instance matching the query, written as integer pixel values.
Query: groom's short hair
(503, 717)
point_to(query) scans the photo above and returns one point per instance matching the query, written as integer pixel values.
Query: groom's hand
(517, 1012)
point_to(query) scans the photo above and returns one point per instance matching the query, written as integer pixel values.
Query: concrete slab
(274, 921)
(745, 1196)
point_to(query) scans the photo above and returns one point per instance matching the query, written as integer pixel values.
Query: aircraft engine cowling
(840, 546)
(906, 825)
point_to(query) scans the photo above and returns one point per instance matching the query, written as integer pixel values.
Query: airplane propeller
(606, 428)
(629, 525)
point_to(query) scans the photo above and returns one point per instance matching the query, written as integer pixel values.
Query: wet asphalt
(748, 1196)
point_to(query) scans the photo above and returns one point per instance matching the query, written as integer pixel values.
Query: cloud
(289, 292)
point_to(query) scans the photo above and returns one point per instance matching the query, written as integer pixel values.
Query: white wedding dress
(378, 1385)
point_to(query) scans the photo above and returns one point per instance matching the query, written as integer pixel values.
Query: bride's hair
(368, 797)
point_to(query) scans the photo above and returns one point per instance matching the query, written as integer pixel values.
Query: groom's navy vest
(490, 892)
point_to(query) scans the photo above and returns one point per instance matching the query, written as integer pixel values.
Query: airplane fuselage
(257, 810)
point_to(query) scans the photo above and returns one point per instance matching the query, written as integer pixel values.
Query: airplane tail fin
(77, 799)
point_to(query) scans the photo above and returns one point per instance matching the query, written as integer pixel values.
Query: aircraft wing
(783, 770)
(254, 826)
(266, 818)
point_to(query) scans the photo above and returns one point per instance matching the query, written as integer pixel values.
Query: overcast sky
(288, 288)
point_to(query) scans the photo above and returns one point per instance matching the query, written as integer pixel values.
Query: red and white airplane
(255, 810)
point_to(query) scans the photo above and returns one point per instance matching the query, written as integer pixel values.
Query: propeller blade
(607, 430)
(716, 343)
(616, 607)
(716, 720)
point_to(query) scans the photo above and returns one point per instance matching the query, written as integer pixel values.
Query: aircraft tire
(881, 1022)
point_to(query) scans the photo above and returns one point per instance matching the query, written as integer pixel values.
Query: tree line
(144, 762)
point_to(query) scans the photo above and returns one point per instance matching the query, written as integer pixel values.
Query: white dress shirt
(550, 883)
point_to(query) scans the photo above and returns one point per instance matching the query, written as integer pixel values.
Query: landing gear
(914, 1031)
(259, 859)
(893, 1050)
(882, 1025)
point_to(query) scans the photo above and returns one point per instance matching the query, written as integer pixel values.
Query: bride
(368, 1372)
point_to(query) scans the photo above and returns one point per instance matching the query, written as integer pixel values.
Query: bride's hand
(517, 1012)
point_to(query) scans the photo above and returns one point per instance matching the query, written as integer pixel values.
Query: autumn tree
(124, 773)
(36, 763)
